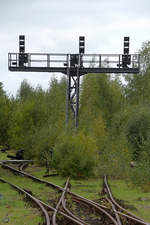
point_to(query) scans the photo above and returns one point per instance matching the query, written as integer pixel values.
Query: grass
(87, 188)
(133, 197)
(136, 199)
(39, 190)
(13, 210)
(3, 156)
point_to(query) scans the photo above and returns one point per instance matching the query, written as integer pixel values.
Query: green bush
(138, 129)
(140, 175)
(4, 120)
(75, 156)
(115, 159)
(39, 145)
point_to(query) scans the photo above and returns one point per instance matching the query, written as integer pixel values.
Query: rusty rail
(35, 200)
(126, 214)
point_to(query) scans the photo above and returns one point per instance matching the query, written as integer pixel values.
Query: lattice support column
(72, 106)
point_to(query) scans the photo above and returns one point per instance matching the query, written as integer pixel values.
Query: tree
(4, 116)
(138, 85)
(2, 92)
(56, 102)
(138, 130)
(145, 56)
(25, 91)
(100, 94)
(37, 110)
(75, 155)
(115, 160)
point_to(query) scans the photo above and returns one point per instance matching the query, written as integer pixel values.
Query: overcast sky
(54, 26)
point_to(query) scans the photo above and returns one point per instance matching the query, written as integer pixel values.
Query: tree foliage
(145, 57)
(5, 108)
(115, 159)
(102, 94)
(75, 155)
(138, 129)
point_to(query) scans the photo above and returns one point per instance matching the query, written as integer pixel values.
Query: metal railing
(64, 60)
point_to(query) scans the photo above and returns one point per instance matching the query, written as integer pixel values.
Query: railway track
(115, 214)
(90, 204)
(45, 208)
(33, 199)
(123, 216)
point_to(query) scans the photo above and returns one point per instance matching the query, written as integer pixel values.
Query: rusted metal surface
(59, 202)
(115, 212)
(71, 214)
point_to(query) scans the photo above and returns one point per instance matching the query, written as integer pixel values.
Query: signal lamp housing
(81, 44)
(21, 43)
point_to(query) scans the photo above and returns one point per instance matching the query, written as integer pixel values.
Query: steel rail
(15, 161)
(98, 207)
(22, 166)
(71, 214)
(41, 204)
(51, 184)
(132, 216)
(32, 177)
(59, 202)
(78, 222)
(35, 200)
(63, 202)
(61, 213)
(114, 210)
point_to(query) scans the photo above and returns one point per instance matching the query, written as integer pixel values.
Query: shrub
(138, 129)
(75, 156)
(115, 159)
(140, 175)
(39, 145)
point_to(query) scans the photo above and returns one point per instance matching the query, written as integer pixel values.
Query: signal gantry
(74, 66)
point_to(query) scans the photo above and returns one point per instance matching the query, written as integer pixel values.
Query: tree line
(114, 127)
